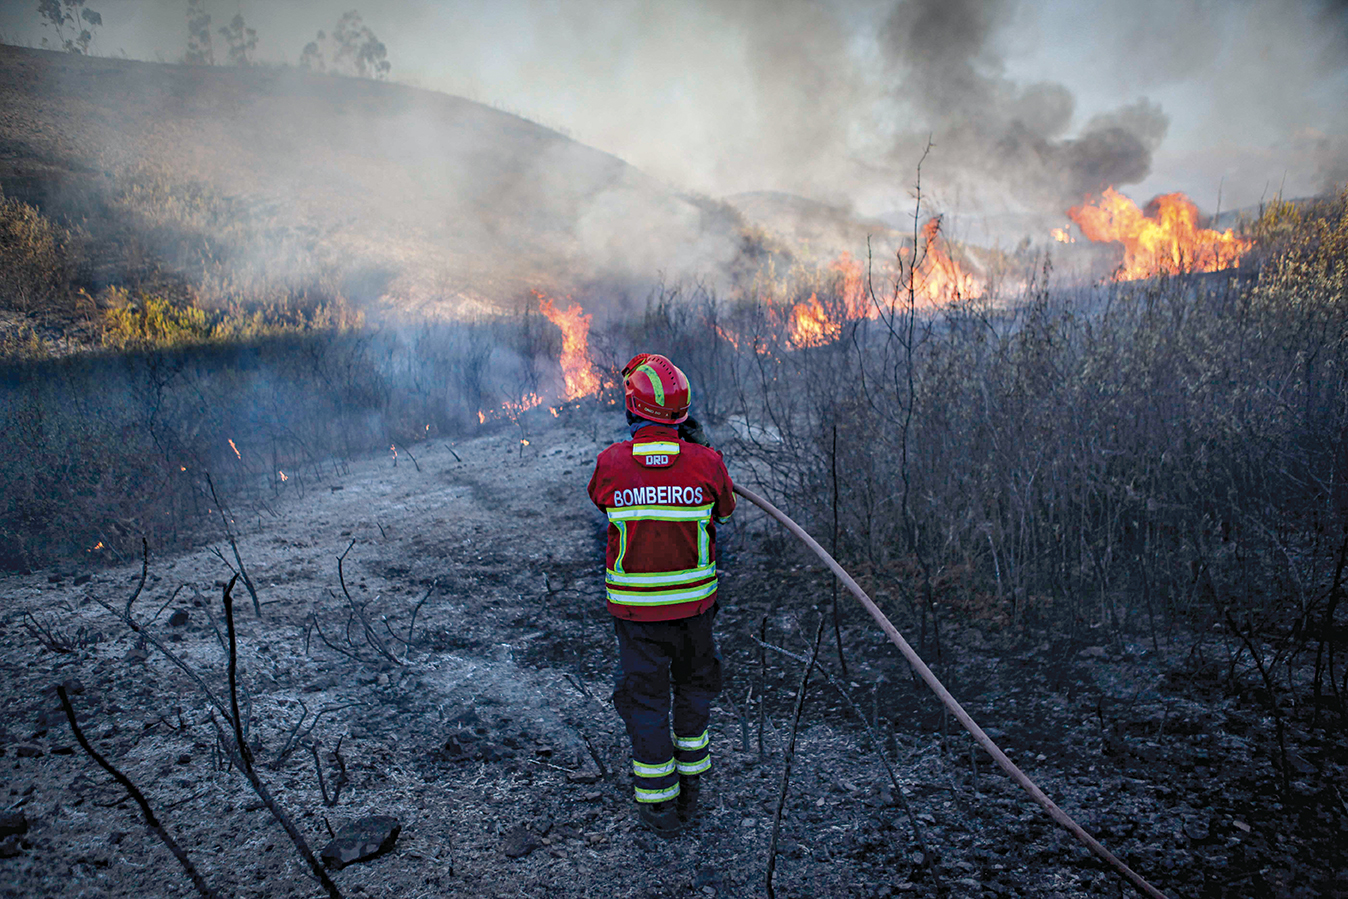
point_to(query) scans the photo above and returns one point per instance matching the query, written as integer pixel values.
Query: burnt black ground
(490, 737)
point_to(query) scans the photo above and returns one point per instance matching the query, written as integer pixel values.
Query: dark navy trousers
(655, 659)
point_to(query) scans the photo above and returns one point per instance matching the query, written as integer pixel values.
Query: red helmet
(655, 389)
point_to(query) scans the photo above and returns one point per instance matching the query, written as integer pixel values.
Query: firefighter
(663, 492)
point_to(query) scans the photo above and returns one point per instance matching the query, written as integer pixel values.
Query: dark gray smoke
(987, 126)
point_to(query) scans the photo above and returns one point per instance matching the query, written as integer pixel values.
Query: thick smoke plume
(985, 125)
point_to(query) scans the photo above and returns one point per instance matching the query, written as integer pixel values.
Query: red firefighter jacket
(663, 497)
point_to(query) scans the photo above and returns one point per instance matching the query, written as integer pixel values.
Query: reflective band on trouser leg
(692, 755)
(655, 783)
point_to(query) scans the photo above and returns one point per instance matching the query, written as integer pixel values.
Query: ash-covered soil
(491, 739)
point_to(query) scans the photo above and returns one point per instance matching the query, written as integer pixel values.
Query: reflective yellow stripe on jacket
(676, 586)
(656, 448)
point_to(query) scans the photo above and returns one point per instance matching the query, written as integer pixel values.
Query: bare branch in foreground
(927, 857)
(411, 627)
(168, 654)
(229, 535)
(790, 754)
(300, 733)
(144, 570)
(150, 820)
(338, 782)
(245, 758)
(371, 635)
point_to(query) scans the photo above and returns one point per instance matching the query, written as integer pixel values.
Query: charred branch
(338, 782)
(233, 544)
(144, 570)
(790, 755)
(412, 625)
(151, 821)
(168, 602)
(58, 638)
(927, 858)
(245, 759)
(317, 628)
(299, 733)
(168, 654)
(358, 610)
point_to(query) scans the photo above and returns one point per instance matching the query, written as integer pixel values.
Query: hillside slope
(432, 202)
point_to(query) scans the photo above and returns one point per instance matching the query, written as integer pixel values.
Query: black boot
(661, 817)
(690, 793)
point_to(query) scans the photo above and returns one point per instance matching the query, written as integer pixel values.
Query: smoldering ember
(1019, 332)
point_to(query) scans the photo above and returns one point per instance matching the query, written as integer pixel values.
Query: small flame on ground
(1061, 236)
(98, 545)
(392, 448)
(553, 410)
(236, 451)
(524, 442)
(182, 468)
(511, 410)
(1165, 239)
(283, 476)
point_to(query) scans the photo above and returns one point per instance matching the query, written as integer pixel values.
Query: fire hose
(1020, 777)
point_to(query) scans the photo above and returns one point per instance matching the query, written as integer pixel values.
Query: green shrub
(35, 271)
(153, 321)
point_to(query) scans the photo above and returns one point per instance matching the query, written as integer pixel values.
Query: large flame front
(577, 369)
(937, 280)
(1165, 240)
(814, 324)
(940, 279)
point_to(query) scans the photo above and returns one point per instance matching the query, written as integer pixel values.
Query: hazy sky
(1029, 104)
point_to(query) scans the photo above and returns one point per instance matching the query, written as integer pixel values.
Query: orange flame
(579, 373)
(511, 410)
(235, 448)
(1164, 240)
(1061, 236)
(811, 324)
(939, 279)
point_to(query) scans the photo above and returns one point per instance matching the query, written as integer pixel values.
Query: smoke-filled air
(758, 448)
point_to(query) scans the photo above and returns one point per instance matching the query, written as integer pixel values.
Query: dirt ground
(491, 739)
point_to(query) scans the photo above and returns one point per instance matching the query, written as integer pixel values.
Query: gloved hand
(691, 432)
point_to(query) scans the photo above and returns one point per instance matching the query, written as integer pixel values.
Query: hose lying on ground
(1019, 776)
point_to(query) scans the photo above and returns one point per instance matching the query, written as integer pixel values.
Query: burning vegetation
(1074, 483)
(580, 374)
(1163, 239)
